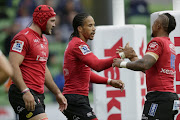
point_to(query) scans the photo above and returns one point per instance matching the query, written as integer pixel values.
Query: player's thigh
(41, 116)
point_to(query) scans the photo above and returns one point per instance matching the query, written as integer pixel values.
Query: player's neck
(36, 28)
(163, 35)
(83, 38)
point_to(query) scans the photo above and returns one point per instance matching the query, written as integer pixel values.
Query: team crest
(153, 46)
(18, 45)
(84, 49)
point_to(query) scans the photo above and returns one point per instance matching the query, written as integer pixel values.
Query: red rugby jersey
(160, 77)
(35, 51)
(78, 61)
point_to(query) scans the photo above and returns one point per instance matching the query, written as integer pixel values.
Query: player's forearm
(18, 79)
(134, 59)
(5, 69)
(95, 78)
(50, 84)
(138, 65)
(3, 77)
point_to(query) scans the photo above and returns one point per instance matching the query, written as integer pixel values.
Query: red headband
(41, 15)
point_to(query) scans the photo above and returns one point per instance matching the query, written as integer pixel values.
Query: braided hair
(78, 21)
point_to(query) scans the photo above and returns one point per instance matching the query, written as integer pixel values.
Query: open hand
(62, 102)
(117, 84)
(128, 51)
(29, 101)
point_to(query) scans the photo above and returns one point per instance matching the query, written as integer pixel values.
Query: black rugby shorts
(160, 106)
(17, 102)
(78, 108)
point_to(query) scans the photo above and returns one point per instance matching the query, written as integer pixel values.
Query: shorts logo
(89, 114)
(18, 46)
(29, 115)
(176, 105)
(84, 49)
(144, 117)
(153, 46)
(153, 109)
(76, 118)
(20, 109)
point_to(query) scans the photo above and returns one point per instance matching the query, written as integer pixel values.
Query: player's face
(50, 25)
(88, 28)
(154, 29)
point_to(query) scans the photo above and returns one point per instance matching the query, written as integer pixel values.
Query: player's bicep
(15, 58)
(150, 60)
(156, 57)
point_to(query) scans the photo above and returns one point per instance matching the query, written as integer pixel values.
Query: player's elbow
(9, 72)
(3, 78)
(97, 68)
(146, 66)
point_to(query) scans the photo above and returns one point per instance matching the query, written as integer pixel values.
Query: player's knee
(41, 116)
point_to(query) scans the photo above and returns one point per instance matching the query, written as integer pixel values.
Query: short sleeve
(81, 50)
(155, 46)
(19, 44)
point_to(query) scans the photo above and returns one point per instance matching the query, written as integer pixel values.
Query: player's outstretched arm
(50, 84)
(139, 65)
(5, 68)
(95, 78)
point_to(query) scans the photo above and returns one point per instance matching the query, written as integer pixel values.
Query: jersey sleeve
(19, 45)
(95, 78)
(155, 46)
(83, 52)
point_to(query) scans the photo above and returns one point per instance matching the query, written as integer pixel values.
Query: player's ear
(159, 26)
(79, 29)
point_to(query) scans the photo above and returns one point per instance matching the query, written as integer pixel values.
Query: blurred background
(16, 15)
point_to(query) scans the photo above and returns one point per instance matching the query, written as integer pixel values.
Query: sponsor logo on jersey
(66, 72)
(168, 72)
(36, 40)
(153, 109)
(84, 49)
(39, 58)
(26, 32)
(172, 48)
(153, 46)
(18, 45)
